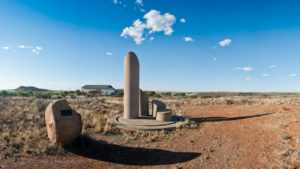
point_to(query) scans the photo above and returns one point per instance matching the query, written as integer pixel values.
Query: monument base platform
(146, 123)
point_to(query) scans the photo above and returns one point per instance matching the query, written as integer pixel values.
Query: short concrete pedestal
(164, 115)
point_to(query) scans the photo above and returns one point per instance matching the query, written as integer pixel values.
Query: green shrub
(3, 93)
(119, 93)
(167, 94)
(193, 96)
(150, 93)
(77, 92)
(180, 94)
(43, 95)
(157, 95)
(206, 97)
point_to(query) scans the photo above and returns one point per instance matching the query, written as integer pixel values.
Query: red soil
(231, 136)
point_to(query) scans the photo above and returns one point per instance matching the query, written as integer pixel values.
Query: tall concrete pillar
(131, 86)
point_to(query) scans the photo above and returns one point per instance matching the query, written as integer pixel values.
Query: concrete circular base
(146, 123)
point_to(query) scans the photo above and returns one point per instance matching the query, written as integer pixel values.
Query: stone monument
(136, 107)
(131, 86)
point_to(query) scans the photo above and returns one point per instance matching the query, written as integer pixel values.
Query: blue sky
(189, 45)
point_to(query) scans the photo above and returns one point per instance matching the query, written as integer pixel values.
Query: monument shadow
(100, 150)
(219, 119)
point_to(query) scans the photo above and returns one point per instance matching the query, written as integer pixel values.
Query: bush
(3, 93)
(24, 94)
(180, 94)
(78, 93)
(206, 97)
(43, 95)
(119, 93)
(167, 94)
(193, 96)
(150, 93)
(157, 95)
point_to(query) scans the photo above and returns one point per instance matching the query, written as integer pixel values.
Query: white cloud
(115, 1)
(155, 22)
(108, 53)
(33, 50)
(225, 42)
(140, 2)
(5, 47)
(246, 69)
(266, 75)
(292, 75)
(182, 20)
(142, 10)
(214, 59)
(22, 46)
(188, 39)
(136, 31)
(38, 48)
(151, 38)
(273, 66)
(248, 78)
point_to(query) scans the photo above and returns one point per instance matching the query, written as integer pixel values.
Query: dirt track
(229, 136)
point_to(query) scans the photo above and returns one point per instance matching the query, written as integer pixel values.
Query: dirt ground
(227, 136)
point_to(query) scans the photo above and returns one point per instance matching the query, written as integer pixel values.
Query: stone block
(144, 104)
(157, 106)
(63, 123)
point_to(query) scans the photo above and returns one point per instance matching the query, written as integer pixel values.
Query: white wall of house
(107, 91)
(88, 90)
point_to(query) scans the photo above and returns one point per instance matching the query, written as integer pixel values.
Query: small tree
(3, 93)
(77, 92)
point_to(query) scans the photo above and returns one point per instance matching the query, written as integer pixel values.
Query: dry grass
(22, 124)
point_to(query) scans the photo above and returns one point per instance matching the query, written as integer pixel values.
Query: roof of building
(98, 87)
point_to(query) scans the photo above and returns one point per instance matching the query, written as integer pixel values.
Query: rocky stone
(63, 123)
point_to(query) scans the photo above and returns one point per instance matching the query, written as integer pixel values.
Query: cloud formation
(225, 42)
(248, 78)
(292, 75)
(5, 47)
(188, 39)
(246, 69)
(136, 31)
(108, 53)
(182, 20)
(155, 22)
(266, 75)
(273, 66)
(139, 2)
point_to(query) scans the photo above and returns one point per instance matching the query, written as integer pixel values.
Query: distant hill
(29, 89)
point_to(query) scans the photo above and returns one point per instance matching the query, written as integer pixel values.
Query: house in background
(103, 89)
